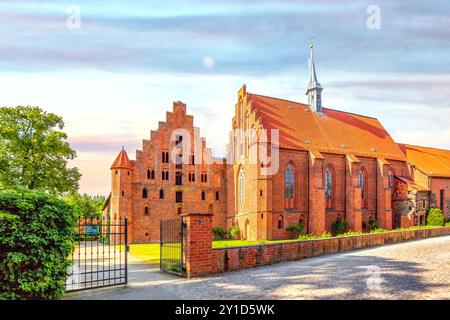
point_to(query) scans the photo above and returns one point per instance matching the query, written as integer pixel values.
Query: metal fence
(172, 238)
(100, 255)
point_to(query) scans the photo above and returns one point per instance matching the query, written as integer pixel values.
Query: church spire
(314, 91)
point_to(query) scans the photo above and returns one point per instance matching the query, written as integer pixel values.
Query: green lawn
(149, 252)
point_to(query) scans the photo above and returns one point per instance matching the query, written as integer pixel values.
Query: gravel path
(412, 270)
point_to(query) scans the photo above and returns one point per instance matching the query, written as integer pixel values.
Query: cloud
(246, 37)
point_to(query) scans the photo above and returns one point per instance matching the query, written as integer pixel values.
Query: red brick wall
(201, 259)
(438, 184)
(229, 259)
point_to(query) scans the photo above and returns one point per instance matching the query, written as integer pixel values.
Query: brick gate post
(198, 245)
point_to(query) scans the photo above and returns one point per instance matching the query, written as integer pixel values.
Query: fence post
(126, 250)
(198, 249)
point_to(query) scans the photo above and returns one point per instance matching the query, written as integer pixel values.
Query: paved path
(412, 270)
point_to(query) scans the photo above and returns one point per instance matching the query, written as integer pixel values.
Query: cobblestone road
(412, 270)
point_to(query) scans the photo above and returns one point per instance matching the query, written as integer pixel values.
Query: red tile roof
(433, 162)
(333, 131)
(122, 161)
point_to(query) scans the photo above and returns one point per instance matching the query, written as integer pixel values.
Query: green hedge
(435, 217)
(35, 243)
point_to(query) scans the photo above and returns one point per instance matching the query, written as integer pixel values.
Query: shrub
(312, 236)
(373, 224)
(297, 229)
(435, 217)
(349, 233)
(218, 232)
(378, 230)
(234, 231)
(36, 241)
(447, 224)
(339, 226)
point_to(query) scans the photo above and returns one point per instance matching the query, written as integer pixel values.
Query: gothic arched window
(203, 195)
(328, 179)
(280, 222)
(161, 194)
(390, 179)
(362, 185)
(241, 186)
(289, 189)
(144, 193)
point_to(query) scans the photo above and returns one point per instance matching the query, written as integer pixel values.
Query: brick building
(287, 162)
(430, 170)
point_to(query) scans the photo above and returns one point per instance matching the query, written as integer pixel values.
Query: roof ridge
(261, 95)
(306, 105)
(415, 145)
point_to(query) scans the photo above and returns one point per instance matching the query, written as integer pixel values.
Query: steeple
(314, 91)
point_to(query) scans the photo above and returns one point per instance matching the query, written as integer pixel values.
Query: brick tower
(121, 191)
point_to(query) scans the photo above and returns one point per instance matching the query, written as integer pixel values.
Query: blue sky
(113, 78)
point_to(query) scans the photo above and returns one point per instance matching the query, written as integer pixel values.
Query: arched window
(328, 179)
(203, 195)
(280, 222)
(217, 195)
(146, 211)
(362, 185)
(144, 193)
(148, 174)
(390, 179)
(152, 174)
(289, 189)
(241, 186)
(161, 194)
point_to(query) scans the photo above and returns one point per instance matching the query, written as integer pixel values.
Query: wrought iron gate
(172, 238)
(100, 255)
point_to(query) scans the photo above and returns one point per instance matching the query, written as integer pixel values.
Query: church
(287, 163)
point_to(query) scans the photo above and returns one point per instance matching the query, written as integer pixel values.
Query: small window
(144, 193)
(146, 211)
(148, 174)
(123, 193)
(161, 194)
(117, 172)
(179, 197)
(165, 157)
(203, 195)
(390, 179)
(217, 196)
(178, 179)
(179, 210)
(280, 222)
(152, 174)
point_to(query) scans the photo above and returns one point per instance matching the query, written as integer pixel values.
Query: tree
(86, 206)
(34, 151)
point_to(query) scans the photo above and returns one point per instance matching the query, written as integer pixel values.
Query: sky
(113, 68)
